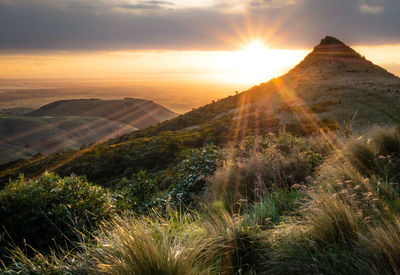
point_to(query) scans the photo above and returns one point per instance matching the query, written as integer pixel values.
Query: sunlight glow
(249, 65)
(256, 63)
(255, 49)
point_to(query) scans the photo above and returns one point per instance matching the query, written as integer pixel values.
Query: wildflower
(296, 186)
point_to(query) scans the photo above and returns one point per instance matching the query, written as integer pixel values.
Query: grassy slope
(343, 220)
(324, 91)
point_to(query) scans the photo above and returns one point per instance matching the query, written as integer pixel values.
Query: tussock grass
(154, 245)
(333, 221)
(257, 220)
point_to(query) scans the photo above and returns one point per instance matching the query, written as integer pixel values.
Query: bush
(138, 192)
(50, 210)
(191, 173)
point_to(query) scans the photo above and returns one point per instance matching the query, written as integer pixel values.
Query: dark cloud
(101, 25)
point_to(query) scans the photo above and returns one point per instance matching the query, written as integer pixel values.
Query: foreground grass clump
(50, 211)
(179, 243)
(153, 245)
(260, 167)
(212, 242)
(351, 224)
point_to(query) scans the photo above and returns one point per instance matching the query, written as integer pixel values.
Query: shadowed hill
(331, 88)
(23, 136)
(69, 124)
(138, 113)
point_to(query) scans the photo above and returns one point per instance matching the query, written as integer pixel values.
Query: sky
(244, 41)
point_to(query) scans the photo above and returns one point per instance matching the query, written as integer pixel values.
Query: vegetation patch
(310, 127)
(50, 211)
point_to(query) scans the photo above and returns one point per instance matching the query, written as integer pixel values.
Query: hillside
(23, 136)
(69, 124)
(333, 88)
(137, 113)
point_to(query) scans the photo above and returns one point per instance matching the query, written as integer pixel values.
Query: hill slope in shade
(69, 124)
(22, 136)
(331, 88)
(138, 113)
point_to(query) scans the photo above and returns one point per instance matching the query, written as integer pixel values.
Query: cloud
(101, 25)
(372, 8)
(147, 5)
(271, 4)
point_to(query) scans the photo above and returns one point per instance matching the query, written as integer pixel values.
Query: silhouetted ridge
(329, 40)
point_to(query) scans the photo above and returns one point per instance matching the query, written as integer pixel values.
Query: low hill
(69, 124)
(138, 113)
(23, 136)
(333, 88)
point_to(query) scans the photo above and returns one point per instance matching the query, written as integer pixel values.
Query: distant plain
(17, 93)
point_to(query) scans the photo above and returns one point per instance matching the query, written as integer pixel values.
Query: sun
(254, 49)
(254, 61)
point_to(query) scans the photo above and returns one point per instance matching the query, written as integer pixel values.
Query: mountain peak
(330, 40)
(333, 57)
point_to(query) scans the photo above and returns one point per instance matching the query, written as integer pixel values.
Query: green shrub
(138, 192)
(191, 173)
(50, 210)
